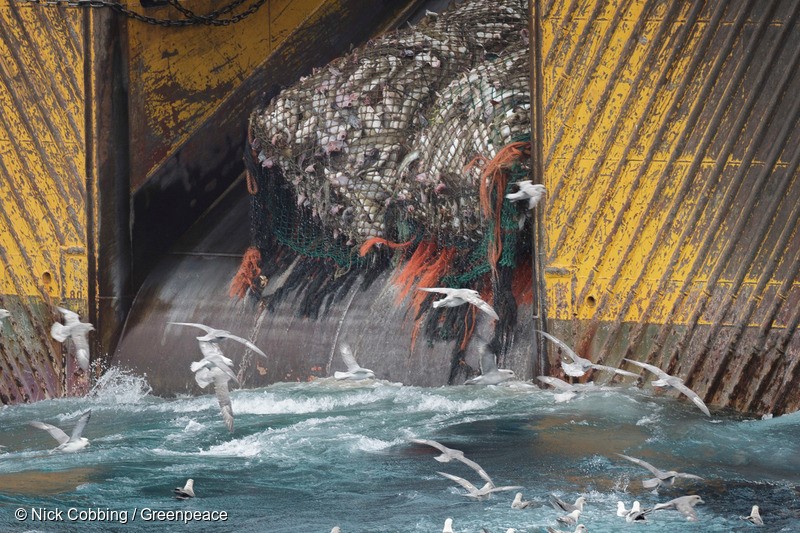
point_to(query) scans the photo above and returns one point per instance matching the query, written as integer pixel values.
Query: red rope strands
(249, 270)
(369, 243)
(494, 179)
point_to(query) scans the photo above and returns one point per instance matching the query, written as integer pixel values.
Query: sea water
(305, 457)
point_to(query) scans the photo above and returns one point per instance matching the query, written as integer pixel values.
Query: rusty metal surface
(43, 198)
(191, 284)
(671, 158)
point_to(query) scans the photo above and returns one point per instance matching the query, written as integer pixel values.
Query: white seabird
(684, 504)
(448, 454)
(570, 518)
(579, 365)
(456, 297)
(666, 380)
(637, 514)
(67, 443)
(213, 358)
(475, 492)
(355, 372)
(754, 517)
(568, 390)
(205, 376)
(519, 503)
(662, 477)
(561, 505)
(78, 331)
(185, 492)
(529, 191)
(3, 315)
(579, 529)
(217, 335)
(336, 529)
(490, 374)
(448, 526)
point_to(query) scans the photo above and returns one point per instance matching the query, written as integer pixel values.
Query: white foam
(117, 386)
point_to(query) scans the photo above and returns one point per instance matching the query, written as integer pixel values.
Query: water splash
(118, 386)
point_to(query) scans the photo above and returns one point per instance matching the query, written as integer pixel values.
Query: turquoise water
(305, 457)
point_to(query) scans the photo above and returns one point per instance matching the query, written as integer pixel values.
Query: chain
(192, 19)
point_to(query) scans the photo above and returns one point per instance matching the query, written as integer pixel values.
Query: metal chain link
(192, 18)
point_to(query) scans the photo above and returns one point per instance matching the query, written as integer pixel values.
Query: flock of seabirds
(216, 368)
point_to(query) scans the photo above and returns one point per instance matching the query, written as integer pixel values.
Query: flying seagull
(68, 443)
(568, 390)
(579, 365)
(529, 191)
(665, 380)
(207, 375)
(519, 503)
(490, 374)
(456, 297)
(213, 358)
(448, 454)
(579, 529)
(74, 329)
(3, 314)
(475, 492)
(662, 477)
(684, 504)
(355, 372)
(185, 492)
(754, 518)
(561, 505)
(217, 335)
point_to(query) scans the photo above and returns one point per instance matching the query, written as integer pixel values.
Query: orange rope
(248, 271)
(369, 243)
(494, 179)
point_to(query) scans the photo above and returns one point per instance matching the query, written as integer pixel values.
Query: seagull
(570, 518)
(662, 477)
(3, 314)
(490, 374)
(68, 443)
(671, 381)
(579, 529)
(448, 454)
(76, 330)
(213, 358)
(519, 503)
(580, 365)
(354, 371)
(636, 514)
(336, 529)
(217, 335)
(204, 376)
(448, 526)
(561, 505)
(569, 390)
(456, 297)
(754, 518)
(684, 504)
(475, 492)
(528, 191)
(185, 492)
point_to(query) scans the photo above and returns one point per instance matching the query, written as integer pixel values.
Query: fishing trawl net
(393, 124)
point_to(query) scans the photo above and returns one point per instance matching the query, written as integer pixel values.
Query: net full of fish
(394, 123)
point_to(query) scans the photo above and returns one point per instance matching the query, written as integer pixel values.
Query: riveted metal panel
(670, 153)
(43, 238)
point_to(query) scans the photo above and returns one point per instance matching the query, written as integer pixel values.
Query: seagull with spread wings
(217, 335)
(448, 454)
(579, 365)
(67, 443)
(662, 477)
(456, 297)
(684, 505)
(78, 331)
(355, 372)
(666, 380)
(529, 191)
(475, 492)
(490, 374)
